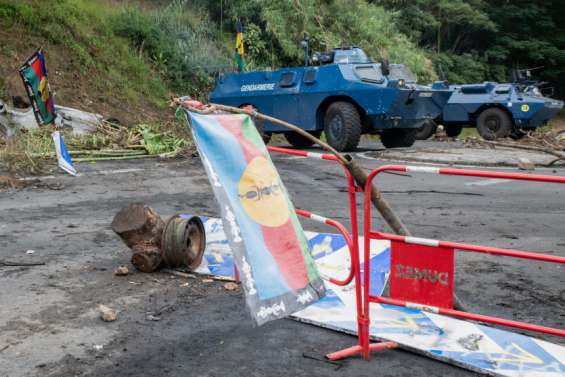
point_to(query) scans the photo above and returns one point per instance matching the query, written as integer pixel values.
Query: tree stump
(147, 260)
(141, 229)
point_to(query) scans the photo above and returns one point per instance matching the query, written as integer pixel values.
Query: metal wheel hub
(336, 127)
(493, 123)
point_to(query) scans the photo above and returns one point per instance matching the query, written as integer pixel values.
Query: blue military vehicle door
(285, 104)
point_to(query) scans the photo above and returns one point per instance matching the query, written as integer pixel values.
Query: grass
(90, 60)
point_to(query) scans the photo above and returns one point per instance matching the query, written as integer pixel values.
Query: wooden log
(139, 226)
(147, 260)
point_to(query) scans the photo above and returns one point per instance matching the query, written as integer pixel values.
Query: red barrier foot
(347, 352)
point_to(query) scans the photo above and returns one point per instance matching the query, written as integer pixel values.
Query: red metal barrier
(401, 246)
(398, 242)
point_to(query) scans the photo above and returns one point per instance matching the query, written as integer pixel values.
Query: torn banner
(34, 75)
(276, 269)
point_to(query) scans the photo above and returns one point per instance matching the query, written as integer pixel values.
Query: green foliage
(183, 47)
(156, 141)
(468, 68)
(477, 40)
(273, 30)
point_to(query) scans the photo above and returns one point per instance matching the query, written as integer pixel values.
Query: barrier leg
(351, 351)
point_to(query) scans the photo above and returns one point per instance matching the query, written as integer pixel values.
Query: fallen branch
(21, 264)
(559, 155)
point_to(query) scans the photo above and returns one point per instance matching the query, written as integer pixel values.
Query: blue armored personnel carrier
(344, 94)
(497, 110)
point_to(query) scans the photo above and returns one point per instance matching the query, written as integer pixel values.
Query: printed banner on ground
(34, 75)
(276, 269)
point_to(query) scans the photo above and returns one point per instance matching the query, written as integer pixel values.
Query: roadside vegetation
(124, 58)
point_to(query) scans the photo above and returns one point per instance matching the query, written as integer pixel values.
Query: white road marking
(445, 165)
(364, 155)
(97, 172)
(487, 182)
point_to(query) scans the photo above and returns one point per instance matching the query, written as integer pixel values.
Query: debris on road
(7, 181)
(140, 227)
(179, 273)
(230, 286)
(121, 271)
(550, 142)
(179, 242)
(30, 252)
(107, 314)
(20, 264)
(525, 164)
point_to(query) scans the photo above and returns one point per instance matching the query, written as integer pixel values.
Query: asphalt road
(49, 325)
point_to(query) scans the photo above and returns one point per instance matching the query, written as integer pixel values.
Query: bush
(468, 68)
(182, 46)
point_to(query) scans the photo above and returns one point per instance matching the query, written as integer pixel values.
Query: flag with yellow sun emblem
(34, 75)
(275, 265)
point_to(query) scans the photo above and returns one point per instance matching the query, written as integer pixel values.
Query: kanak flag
(34, 75)
(271, 251)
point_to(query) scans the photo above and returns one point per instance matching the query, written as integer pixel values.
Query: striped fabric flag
(271, 251)
(239, 49)
(34, 75)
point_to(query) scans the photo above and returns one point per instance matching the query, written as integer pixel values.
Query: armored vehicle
(497, 110)
(344, 94)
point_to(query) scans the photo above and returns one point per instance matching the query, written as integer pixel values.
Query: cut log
(147, 260)
(139, 226)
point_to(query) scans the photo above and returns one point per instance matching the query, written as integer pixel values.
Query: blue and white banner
(63, 156)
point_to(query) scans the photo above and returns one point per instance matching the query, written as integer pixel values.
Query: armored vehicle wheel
(494, 124)
(299, 141)
(453, 131)
(426, 131)
(342, 126)
(402, 137)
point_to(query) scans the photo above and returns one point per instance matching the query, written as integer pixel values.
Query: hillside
(90, 67)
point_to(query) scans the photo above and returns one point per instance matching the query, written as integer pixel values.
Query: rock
(231, 286)
(107, 314)
(525, 164)
(121, 271)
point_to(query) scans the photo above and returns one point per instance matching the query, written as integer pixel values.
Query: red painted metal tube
(346, 236)
(471, 316)
(477, 248)
(351, 351)
(502, 175)
(296, 152)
